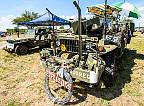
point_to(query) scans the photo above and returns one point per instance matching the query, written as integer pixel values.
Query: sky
(10, 9)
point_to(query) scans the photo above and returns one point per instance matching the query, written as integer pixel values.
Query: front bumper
(8, 49)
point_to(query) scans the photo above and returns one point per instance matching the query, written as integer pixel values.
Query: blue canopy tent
(46, 20)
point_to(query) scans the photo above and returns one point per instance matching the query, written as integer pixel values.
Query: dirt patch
(22, 81)
(2, 44)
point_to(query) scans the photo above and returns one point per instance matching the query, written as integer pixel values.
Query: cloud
(6, 22)
(140, 21)
(141, 8)
(74, 17)
(68, 17)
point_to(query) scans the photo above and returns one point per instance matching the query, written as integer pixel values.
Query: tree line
(26, 16)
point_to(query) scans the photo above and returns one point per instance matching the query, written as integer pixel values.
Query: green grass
(13, 103)
(1, 39)
(104, 102)
(17, 103)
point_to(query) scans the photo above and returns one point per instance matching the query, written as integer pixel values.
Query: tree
(26, 16)
(62, 27)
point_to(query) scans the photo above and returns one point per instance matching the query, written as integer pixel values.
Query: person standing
(129, 33)
(132, 28)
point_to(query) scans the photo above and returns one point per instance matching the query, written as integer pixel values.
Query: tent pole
(53, 22)
(105, 17)
(52, 17)
(18, 31)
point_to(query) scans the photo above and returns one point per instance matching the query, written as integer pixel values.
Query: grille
(72, 45)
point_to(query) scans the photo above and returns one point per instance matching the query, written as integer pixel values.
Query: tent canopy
(45, 20)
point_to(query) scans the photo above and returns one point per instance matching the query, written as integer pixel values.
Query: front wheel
(107, 79)
(108, 75)
(58, 86)
(21, 49)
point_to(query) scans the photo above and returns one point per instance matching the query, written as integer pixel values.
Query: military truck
(88, 55)
(34, 38)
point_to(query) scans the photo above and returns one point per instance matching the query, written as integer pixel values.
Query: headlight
(88, 45)
(108, 37)
(115, 39)
(58, 42)
(10, 46)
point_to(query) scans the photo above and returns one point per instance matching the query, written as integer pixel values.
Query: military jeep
(84, 56)
(21, 46)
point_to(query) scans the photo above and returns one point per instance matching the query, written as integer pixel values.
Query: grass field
(22, 81)
(2, 39)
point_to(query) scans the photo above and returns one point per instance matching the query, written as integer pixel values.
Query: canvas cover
(46, 20)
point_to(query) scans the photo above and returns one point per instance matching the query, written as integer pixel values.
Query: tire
(21, 50)
(51, 95)
(108, 75)
(107, 79)
(41, 47)
(119, 53)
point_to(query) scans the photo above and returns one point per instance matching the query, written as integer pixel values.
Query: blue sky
(13, 8)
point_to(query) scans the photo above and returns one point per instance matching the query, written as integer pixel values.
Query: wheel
(108, 75)
(21, 49)
(120, 52)
(107, 79)
(58, 86)
(41, 47)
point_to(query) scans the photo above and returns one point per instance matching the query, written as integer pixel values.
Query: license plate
(53, 76)
(10, 46)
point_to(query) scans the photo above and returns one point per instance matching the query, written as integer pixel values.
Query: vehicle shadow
(35, 50)
(123, 76)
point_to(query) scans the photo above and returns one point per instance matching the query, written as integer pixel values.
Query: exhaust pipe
(79, 28)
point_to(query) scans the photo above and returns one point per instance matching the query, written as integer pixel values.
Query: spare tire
(62, 96)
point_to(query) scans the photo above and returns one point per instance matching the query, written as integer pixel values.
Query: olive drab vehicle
(88, 55)
(32, 39)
